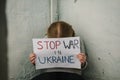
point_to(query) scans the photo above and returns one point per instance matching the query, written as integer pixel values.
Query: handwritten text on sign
(57, 52)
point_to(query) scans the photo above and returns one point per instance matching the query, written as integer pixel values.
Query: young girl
(61, 29)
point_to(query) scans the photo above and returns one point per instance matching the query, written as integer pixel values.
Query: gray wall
(26, 19)
(98, 23)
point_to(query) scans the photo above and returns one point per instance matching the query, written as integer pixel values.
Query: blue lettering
(48, 59)
(74, 44)
(54, 59)
(71, 59)
(44, 60)
(57, 59)
(64, 58)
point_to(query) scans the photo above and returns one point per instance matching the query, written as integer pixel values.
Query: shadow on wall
(3, 42)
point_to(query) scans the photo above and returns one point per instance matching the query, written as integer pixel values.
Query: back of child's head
(60, 29)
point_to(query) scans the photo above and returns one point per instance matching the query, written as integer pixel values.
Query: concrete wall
(26, 19)
(98, 23)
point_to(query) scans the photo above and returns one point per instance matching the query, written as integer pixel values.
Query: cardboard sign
(57, 52)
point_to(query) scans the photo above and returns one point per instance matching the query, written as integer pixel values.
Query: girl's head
(60, 29)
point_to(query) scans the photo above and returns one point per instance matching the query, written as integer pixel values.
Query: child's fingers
(32, 58)
(32, 55)
(82, 57)
(33, 61)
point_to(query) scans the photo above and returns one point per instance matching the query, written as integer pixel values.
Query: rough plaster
(27, 19)
(97, 22)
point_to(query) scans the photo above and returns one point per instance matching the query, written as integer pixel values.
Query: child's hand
(82, 57)
(32, 58)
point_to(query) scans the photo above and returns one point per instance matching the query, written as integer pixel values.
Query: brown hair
(60, 29)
